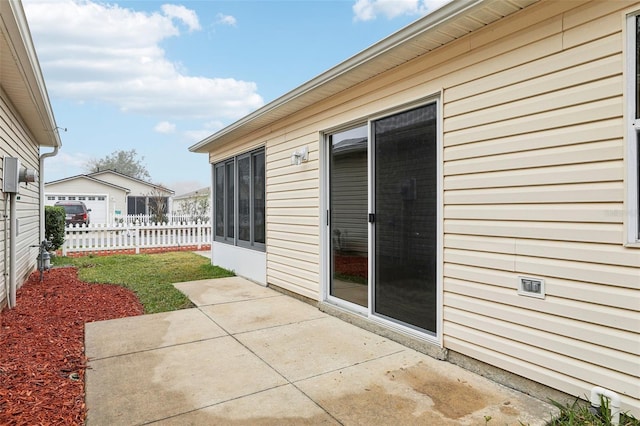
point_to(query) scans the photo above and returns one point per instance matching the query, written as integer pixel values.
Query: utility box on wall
(10, 174)
(13, 174)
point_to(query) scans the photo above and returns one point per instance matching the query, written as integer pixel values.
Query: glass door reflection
(348, 226)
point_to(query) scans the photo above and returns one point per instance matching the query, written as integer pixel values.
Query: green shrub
(54, 226)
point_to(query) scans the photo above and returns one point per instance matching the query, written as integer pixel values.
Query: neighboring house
(103, 198)
(26, 124)
(194, 203)
(500, 183)
(109, 195)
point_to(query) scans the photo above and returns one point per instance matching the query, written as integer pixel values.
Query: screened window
(136, 205)
(224, 201)
(219, 190)
(239, 200)
(143, 205)
(633, 126)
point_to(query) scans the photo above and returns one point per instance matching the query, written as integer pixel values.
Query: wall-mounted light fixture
(300, 156)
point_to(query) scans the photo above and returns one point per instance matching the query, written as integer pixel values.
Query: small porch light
(300, 156)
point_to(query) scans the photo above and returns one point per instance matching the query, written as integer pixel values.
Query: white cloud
(367, 10)
(165, 127)
(208, 129)
(187, 16)
(95, 52)
(226, 20)
(65, 164)
(195, 136)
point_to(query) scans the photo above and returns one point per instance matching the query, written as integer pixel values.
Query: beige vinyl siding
(15, 141)
(533, 180)
(533, 185)
(293, 198)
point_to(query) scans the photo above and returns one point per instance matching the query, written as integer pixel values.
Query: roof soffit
(20, 75)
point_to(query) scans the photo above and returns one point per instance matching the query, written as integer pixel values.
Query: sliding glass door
(382, 217)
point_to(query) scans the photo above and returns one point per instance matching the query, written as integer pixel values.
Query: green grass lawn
(150, 276)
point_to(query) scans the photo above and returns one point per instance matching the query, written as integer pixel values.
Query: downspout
(7, 284)
(12, 250)
(11, 299)
(41, 190)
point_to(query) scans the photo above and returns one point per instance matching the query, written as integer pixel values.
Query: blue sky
(159, 76)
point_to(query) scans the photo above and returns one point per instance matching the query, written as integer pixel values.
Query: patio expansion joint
(220, 402)
(355, 364)
(249, 299)
(333, 371)
(155, 348)
(288, 382)
(239, 333)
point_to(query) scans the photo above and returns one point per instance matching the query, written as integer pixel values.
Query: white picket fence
(136, 237)
(169, 218)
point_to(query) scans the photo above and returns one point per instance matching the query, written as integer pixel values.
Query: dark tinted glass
(244, 198)
(229, 195)
(637, 88)
(219, 201)
(405, 221)
(258, 198)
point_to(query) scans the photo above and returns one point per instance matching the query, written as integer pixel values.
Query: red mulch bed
(351, 265)
(42, 359)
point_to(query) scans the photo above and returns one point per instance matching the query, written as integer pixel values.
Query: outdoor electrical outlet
(533, 287)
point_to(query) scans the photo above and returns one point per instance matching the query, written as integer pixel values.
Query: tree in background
(125, 162)
(158, 206)
(197, 208)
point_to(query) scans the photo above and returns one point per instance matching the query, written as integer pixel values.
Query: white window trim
(632, 137)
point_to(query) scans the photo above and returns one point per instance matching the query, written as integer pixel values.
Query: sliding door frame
(325, 238)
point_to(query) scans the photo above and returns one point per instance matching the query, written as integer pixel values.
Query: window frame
(633, 129)
(232, 195)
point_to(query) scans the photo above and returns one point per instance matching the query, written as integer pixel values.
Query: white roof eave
(33, 100)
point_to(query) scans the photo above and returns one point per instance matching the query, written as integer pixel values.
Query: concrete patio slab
(321, 346)
(252, 356)
(407, 388)
(223, 290)
(153, 385)
(284, 405)
(148, 332)
(260, 313)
